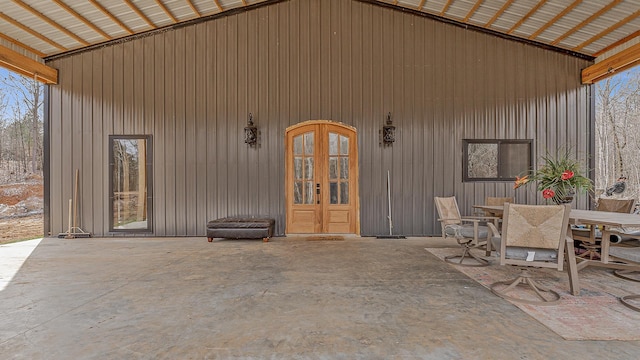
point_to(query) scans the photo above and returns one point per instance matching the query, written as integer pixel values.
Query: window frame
(149, 182)
(499, 142)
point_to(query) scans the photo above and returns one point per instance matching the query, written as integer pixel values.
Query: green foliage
(560, 176)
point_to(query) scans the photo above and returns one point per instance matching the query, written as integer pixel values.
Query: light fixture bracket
(250, 132)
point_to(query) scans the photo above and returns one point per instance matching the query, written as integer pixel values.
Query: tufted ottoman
(240, 228)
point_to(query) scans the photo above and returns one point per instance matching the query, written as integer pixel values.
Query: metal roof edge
(271, 2)
(152, 32)
(479, 29)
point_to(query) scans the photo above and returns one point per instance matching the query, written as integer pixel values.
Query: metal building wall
(192, 88)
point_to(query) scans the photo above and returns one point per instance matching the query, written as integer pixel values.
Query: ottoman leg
(266, 239)
(210, 239)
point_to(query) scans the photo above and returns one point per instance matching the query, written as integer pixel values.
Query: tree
(618, 131)
(28, 99)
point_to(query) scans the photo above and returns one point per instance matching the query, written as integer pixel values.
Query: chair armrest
(494, 230)
(484, 218)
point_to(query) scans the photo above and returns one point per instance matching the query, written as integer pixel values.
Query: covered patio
(182, 82)
(141, 298)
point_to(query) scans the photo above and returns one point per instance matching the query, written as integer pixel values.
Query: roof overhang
(605, 30)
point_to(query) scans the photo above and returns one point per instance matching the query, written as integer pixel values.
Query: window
(496, 159)
(130, 195)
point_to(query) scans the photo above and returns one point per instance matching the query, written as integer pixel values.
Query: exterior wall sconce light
(250, 132)
(388, 132)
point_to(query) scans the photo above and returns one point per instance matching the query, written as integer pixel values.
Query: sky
(4, 73)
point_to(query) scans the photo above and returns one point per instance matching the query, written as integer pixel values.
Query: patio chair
(629, 255)
(589, 236)
(468, 231)
(533, 236)
(497, 201)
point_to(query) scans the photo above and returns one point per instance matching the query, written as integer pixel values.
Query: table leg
(605, 242)
(572, 267)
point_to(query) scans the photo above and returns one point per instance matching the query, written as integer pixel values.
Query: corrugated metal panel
(193, 88)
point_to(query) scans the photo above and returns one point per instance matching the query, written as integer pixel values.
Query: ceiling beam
(30, 31)
(421, 4)
(83, 19)
(218, 5)
(618, 43)
(166, 11)
(609, 66)
(555, 19)
(528, 15)
(51, 22)
(473, 10)
(446, 7)
(21, 45)
(140, 13)
(608, 30)
(497, 15)
(110, 16)
(26, 66)
(586, 21)
(193, 8)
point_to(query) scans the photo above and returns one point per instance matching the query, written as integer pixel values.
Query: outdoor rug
(596, 314)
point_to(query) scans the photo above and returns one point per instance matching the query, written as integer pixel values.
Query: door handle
(318, 193)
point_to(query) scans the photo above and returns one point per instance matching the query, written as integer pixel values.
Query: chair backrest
(616, 205)
(534, 227)
(448, 209)
(496, 201)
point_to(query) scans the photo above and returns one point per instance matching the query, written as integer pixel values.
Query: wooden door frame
(288, 175)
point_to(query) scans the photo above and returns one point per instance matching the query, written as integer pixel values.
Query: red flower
(548, 193)
(567, 174)
(521, 181)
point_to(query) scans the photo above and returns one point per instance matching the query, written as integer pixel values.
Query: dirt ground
(22, 228)
(21, 210)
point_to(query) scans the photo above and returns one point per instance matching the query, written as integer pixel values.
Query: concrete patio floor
(185, 298)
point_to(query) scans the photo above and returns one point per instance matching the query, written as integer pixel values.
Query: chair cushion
(626, 253)
(467, 231)
(520, 253)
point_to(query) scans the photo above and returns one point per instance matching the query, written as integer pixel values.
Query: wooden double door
(322, 178)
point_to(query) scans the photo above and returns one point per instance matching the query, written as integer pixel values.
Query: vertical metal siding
(192, 88)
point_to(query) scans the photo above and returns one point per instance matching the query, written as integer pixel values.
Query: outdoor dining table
(606, 221)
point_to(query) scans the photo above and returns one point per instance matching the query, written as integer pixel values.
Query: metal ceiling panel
(410, 4)
(485, 12)
(180, 9)
(460, 8)
(539, 19)
(434, 6)
(513, 14)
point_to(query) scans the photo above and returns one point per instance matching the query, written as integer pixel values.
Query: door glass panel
(344, 193)
(333, 144)
(297, 145)
(333, 167)
(130, 169)
(297, 167)
(333, 192)
(308, 143)
(344, 145)
(297, 192)
(308, 168)
(344, 168)
(308, 189)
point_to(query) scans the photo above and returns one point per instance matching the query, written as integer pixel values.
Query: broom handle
(389, 201)
(75, 201)
(69, 229)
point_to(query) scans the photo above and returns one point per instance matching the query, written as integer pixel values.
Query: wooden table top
(588, 216)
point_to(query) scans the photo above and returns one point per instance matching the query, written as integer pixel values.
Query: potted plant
(558, 179)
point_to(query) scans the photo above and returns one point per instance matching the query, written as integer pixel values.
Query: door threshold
(323, 236)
